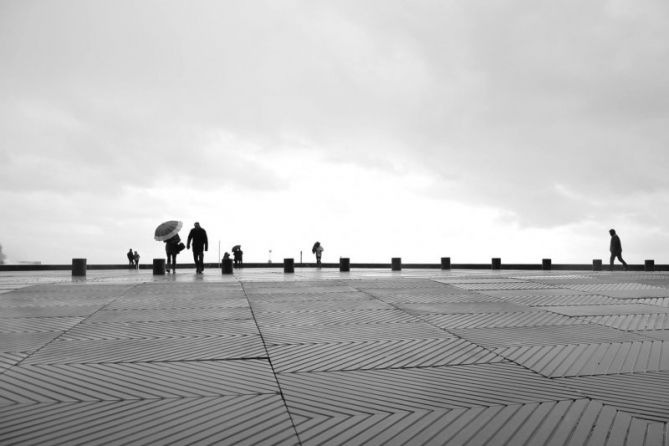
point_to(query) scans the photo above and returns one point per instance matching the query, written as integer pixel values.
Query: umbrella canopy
(167, 230)
(236, 247)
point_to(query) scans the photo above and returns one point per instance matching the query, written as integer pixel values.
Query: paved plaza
(321, 357)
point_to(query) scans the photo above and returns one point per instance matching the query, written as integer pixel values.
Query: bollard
(649, 265)
(546, 264)
(79, 267)
(344, 264)
(496, 263)
(288, 265)
(445, 263)
(597, 264)
(158, 267)
(396, 264)
(226, 266)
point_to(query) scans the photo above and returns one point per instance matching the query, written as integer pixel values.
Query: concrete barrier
(344, 264)
(226, 266)
(445, 263)
(288, 265)
(396, 264)
(496, 263)
(158, 267)
(597, 264)
(649, 265)
(79, 267)
(546, 264)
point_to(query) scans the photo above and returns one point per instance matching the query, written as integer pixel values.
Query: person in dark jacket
(616, 249)
(172, 248)
(198, 238)
(131, 258)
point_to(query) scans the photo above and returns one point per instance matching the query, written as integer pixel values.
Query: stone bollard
(546, 264)
(226, 266)
(496, 263)
(597, 264)
(396, 264)
(79, 267)
(649, 265)
(344, 264)
(288, 265)
(445, 263)
(158, 267)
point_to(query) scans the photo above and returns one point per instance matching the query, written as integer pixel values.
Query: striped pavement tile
(10, 359)
(660, 301)
(479, 279)
(240, 419)
(319, 305)
(50, 311)
(65, 290)
(402, 283)
(341, 298)
(386, 354)
(350, 332)
(503, 286)
(170, 314)
(578, 422)
(160, 329)
(555, 297)
(37, 324)
(491, 320)
(626, 286)
(326, 318)
(634, 295)
(465, 308)
(545, 335)
(590, 359)
(26, 342)
(276, 291)
(23, 300)
(141, 350)
(429, 295)
(631, 321)
(640, 394)
(660, 335)
(27, 384)
(166, 303)
(600, 310)
(419, 388)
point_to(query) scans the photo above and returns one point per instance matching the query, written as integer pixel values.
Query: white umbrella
(167, 230)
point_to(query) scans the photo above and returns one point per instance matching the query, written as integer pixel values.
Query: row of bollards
(79, 265)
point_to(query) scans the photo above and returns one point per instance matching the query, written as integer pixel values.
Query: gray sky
(470, 129)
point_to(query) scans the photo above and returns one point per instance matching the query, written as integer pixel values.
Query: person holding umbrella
(198, 236)
(237, 254)
(318, 250)
(168, 232)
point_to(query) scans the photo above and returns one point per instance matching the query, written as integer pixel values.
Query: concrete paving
(322, 357)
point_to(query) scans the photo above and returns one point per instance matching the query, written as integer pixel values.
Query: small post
(79, 267)
(649, 265)
(344, 264)
(597, 264)
(288, 265)
(546, 264)
(445, 263)
(396, 264)
(158, 267)
(496, 263)
(226, 266)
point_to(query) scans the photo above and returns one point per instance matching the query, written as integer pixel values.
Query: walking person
(131, 258)
(200, 242)
(318, 250)
(237, 255)
(172, 248)
(135, 257)
(616, 249)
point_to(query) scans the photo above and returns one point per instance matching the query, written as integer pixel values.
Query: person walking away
(172, 249)
(616, 249)
(198, 237)
(318, 250)
(131, 258)
(135, 257)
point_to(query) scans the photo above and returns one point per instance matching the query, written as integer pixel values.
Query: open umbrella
(167, 230)
(236, 248)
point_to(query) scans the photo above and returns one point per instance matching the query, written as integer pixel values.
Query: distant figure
(198, 236)
(172, 248)
(318, 250)
(131, 258)
(237, 254)
(226, 256)
(135, 258)
(616, 249)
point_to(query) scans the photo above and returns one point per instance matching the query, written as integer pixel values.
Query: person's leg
(613, 256)
(201, 260)
(197, 265)
(620, 257)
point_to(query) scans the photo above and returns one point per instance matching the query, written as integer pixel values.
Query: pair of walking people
(197, 237)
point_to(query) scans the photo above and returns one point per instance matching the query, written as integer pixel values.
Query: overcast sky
(418, 129)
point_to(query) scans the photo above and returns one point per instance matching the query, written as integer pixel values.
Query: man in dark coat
(198, 237)
(131, 258)
(616, 249)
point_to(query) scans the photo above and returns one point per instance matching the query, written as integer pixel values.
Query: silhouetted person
(172, 249)
(226, 256)
(135, 257)
(318, 250)
(616, 249)
(237, 255)
(131, 258)
(198, 237)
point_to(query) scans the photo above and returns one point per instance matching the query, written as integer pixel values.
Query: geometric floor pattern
(416, 357)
